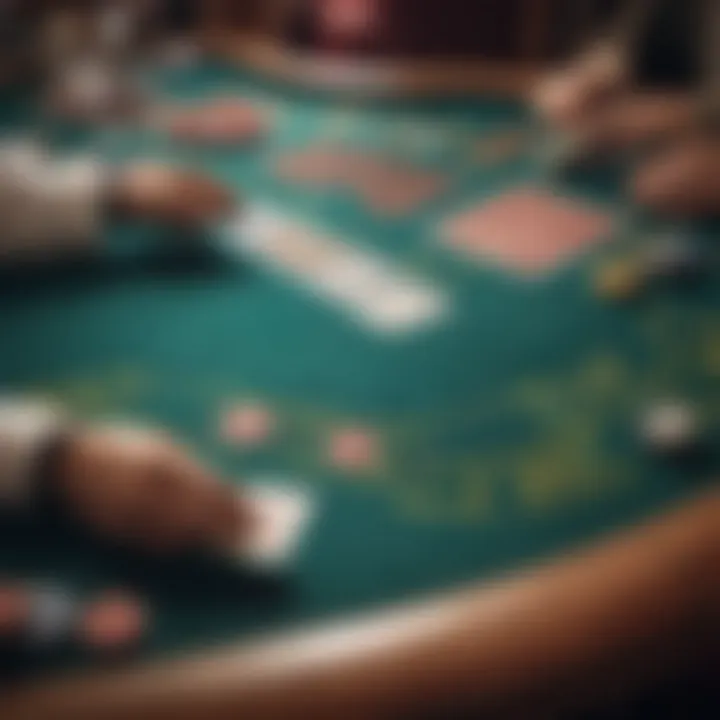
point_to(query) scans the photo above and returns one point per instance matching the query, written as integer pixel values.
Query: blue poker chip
(53, 617)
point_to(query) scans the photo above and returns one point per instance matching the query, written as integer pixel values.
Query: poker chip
(56, 618)
(354, 449)
(247, 425)
(620, 279)
(281, 514)
(115, 621)
(671, 426)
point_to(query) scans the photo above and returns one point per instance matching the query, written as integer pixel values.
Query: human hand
(177, 197)
(142, 489)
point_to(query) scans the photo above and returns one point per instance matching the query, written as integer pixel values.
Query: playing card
(249, 229)
(282, 514)
(403, 306)
(351, 276)
(364, 284)
(528, 230)
(319, 164)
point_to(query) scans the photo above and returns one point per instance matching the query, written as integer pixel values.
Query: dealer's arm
(48, 206)
(132, 485)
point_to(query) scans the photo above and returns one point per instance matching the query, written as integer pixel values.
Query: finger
(229, 519)
(156, 511)
(201, 515)
(212, 204)
(212, 197)
(188, 513)
(170, 531)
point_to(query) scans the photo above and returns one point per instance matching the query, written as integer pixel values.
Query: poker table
(504, 433)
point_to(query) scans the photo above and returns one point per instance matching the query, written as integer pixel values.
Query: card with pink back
(386, 185)
(318, 164)
(528, 230)
(396, 189)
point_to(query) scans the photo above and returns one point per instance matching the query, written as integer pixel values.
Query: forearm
(49, 206)
(612, 619)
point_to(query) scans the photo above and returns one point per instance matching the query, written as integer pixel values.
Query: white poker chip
(671, 426)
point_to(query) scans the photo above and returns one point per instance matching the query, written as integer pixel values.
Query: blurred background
(502, 30)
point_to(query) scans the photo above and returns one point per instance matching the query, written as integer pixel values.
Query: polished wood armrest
(605, 620)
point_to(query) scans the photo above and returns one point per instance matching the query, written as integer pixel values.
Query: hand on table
(142, 489)
(179, 197)
(570, 98)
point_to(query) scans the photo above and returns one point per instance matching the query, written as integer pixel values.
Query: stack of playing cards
(282, 515)
(382, 298)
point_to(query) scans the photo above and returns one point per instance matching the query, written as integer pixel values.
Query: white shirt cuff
(25, 430)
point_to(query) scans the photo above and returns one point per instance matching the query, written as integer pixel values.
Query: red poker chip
(354, 449)
(115, 621)
(247, 424)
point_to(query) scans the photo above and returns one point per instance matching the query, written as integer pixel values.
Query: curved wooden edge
(604, 621)
(377, 78)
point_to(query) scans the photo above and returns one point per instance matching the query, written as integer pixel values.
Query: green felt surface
(507, 431)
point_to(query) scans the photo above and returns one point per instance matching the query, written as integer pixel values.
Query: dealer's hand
(142, 489)
(178, 197)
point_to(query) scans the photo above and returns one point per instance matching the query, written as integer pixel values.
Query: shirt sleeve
(26, 430)
(48, 206)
